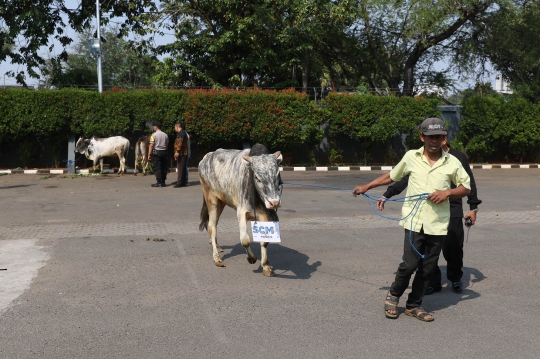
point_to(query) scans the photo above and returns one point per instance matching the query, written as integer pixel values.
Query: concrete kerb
(297, 169)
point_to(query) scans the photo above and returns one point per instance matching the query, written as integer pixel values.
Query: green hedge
(377, 119)
(362, 127)
(284, 120)
(500, 129)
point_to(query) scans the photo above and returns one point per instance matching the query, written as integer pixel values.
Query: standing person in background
(453, 244)
(157, 153)
(186, 172)
(181, 151)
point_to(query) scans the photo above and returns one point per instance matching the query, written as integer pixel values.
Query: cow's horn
(277, 154)
(248, 158)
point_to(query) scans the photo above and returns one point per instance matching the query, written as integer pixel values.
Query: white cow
(96, 148)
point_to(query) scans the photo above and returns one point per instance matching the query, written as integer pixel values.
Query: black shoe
(177, 186)
(457, 286)
(431, 290)
(158, 184)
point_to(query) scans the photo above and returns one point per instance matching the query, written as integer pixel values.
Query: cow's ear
(247, 159)
(278, 156)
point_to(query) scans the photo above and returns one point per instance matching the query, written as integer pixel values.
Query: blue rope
(417, 198)
(70, 162)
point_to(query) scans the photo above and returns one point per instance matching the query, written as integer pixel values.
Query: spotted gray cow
(96, 148)
(248, 184)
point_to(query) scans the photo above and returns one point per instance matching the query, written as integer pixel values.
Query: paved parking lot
(108, 267)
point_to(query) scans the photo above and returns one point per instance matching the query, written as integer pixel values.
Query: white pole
(98, 21)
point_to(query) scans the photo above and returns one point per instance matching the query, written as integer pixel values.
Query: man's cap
(433, 126)
(156, 123)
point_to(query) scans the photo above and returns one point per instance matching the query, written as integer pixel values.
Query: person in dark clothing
(181, 151)
(453, 244)
(157, 153)
(186, 172)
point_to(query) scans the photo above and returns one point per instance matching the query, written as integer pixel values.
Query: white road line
(22, 258)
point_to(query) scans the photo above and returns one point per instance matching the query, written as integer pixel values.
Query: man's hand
(472, 216)
(176, 155)
(438, 197)
(380, 203)
(149, 157)
(359, 190)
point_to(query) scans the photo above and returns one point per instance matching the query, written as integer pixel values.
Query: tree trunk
(305, 73)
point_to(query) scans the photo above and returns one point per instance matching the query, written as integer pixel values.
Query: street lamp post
(94, 46)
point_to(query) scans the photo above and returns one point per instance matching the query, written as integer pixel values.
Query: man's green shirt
(426, 179)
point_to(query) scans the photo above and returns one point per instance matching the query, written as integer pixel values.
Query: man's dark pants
(430, 246)
(159, 164)
(186, 172)
(452, 252)
(181, 168)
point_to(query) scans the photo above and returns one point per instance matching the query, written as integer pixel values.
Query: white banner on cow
(265, 232)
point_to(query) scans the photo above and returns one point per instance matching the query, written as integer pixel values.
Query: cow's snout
(273, 204)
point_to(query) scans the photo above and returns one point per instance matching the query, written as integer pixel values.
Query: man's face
(177, 128)
(433, 143)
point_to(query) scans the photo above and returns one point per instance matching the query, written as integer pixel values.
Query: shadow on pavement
(447, 297)
(17, 186)
(286, 262)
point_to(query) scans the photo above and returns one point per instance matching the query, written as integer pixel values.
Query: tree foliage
(375, 45)
(122, 66)
(33, 24)
(508, 39)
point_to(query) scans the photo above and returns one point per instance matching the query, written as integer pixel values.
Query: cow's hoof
(252, 260)
(268, 272)
(220, 263)
(134, 174)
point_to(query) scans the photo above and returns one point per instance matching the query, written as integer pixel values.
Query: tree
(264, 43)
(509, 40)
(34, 24)
(398, 41)
(122, 66)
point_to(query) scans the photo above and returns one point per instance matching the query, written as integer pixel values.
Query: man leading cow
(431, 170)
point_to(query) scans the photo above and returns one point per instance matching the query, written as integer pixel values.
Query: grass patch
(79, 175)
(45, 177)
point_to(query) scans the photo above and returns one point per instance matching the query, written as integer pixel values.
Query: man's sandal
(419, 313)
(393, 306)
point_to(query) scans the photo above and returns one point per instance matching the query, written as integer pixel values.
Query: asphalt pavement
(108, 267)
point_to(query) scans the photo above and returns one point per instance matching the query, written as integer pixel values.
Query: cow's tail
(204, 217)
(126, 151)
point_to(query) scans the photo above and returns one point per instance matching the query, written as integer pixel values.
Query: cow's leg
(265, 264)
(215, 207)
(101, 164)
(122, 163)
(243, 215)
